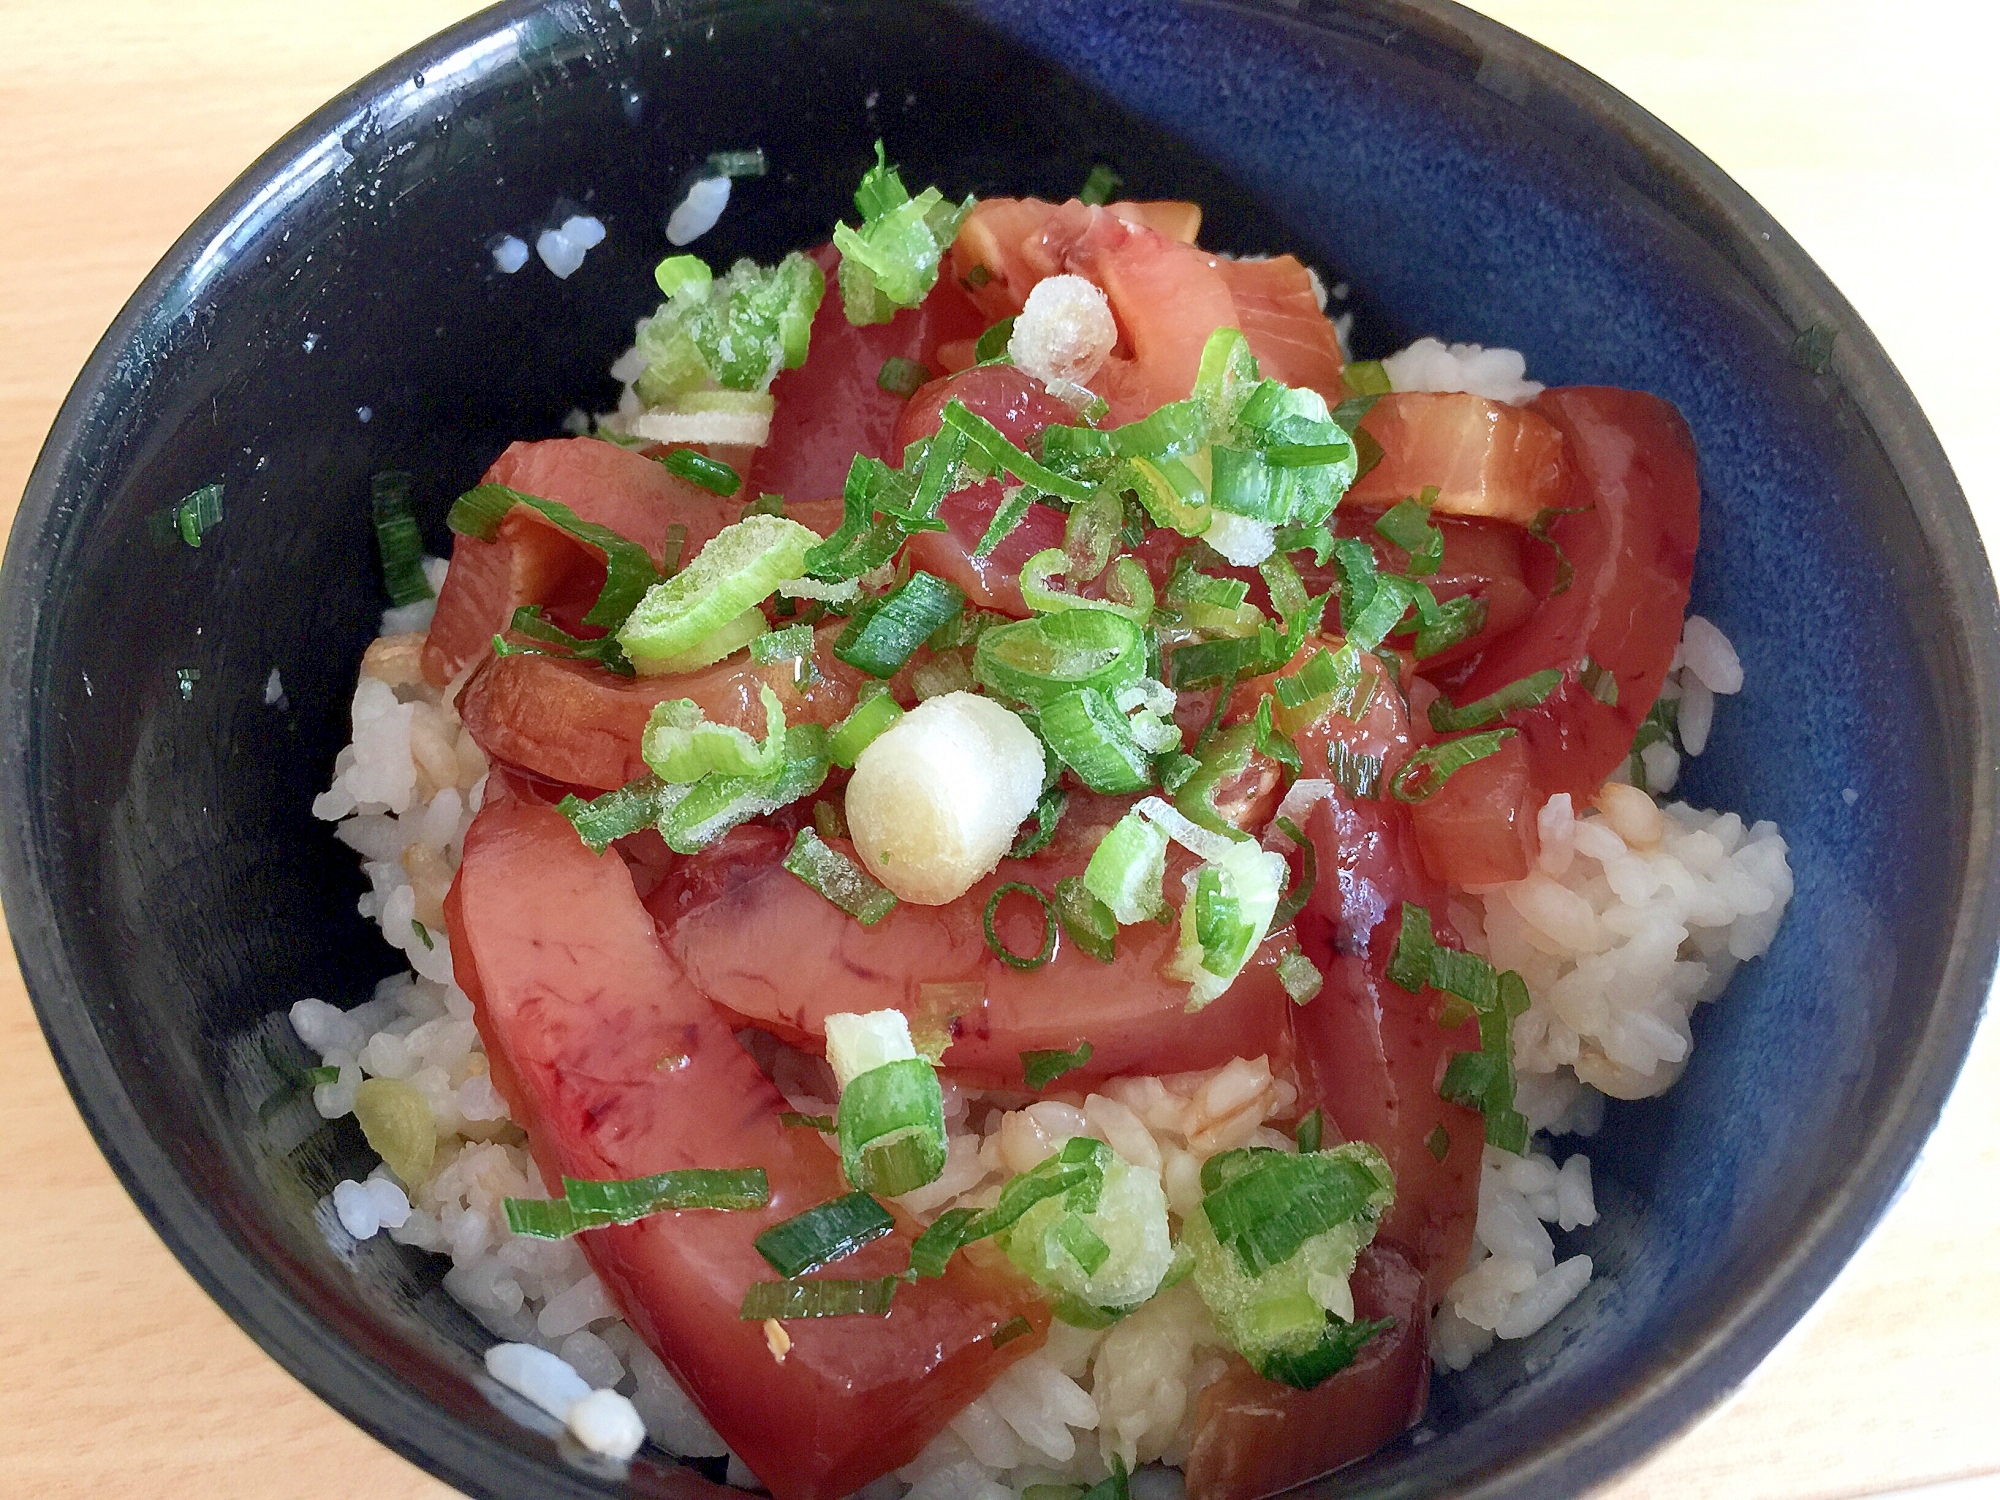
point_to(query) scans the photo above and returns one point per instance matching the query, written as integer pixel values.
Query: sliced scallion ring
(1049, 926)
(891, 1127)
(736, 571)
(1037, 661)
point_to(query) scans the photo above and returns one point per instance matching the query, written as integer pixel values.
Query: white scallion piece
(857, 1044)
(938, 796)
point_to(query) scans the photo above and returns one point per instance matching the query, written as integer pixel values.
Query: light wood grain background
(1869, 131)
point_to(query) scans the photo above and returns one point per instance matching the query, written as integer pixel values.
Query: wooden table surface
(1869, 132)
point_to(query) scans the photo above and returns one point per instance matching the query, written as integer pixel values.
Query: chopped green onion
(1410, 965)
(196, 514)
(1425, 772)
(791, 1119)
(628, 572)
(901, 377)
(1008, 1331)
(1000, 950)
(528, 621)
(1367, 377)
(1088, 921)
(748, 163)
(736, 331)
(1226, 755)
(1077, 1170)
(1044, 1066)
(625, 1199)
(692, 820)
(678, 271)
(735, 572)
(991, 347)
(1080, 1243)
(1088, 734)
(1273, 1230)
(934, 1247)
(1225, 378)
(988, 450)
(1047, 814)
(1355, 772)
(1300, 978)
(711, 474)
(633, 806)
(1114, 1487)
(1812, 350)
(1127, 868)
(1334, 1352)
(680, 744)
(829, 819)
(824, 1234)
(839, 879)
(1371, 602)
(1298, 538)
(1327, 682)
(1660, 726)
(1037, 661)
(1265, 1214)
(591, 1205)
(1175, 430)
(1208, 662)
(1099, 185)
(1312, 1129)
(1438, 1143)
(1271, 742)
(874, 713)
(397, 539)
(1465, 975)
(1524, 692)
(1538, 528)
(1301, 889)
(821, 1297)
(1053, 562)
(1408, 524)
(891, 261)
(793, 643)
(1440, 626)
(862, 543)
(880, 638)
(891, 1125)
(1598, 681)
(1484, 1080)
(322, 1075)
(724, 641)
(1012, 510)
(1288, 594)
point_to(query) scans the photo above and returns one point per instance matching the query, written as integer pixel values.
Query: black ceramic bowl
(337, 313)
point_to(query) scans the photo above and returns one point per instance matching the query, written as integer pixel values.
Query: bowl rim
(1587, 1449)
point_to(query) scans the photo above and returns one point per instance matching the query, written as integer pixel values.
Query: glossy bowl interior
(337, 313)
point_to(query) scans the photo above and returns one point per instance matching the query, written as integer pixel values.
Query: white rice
(1638, 911)
(1496, 374)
